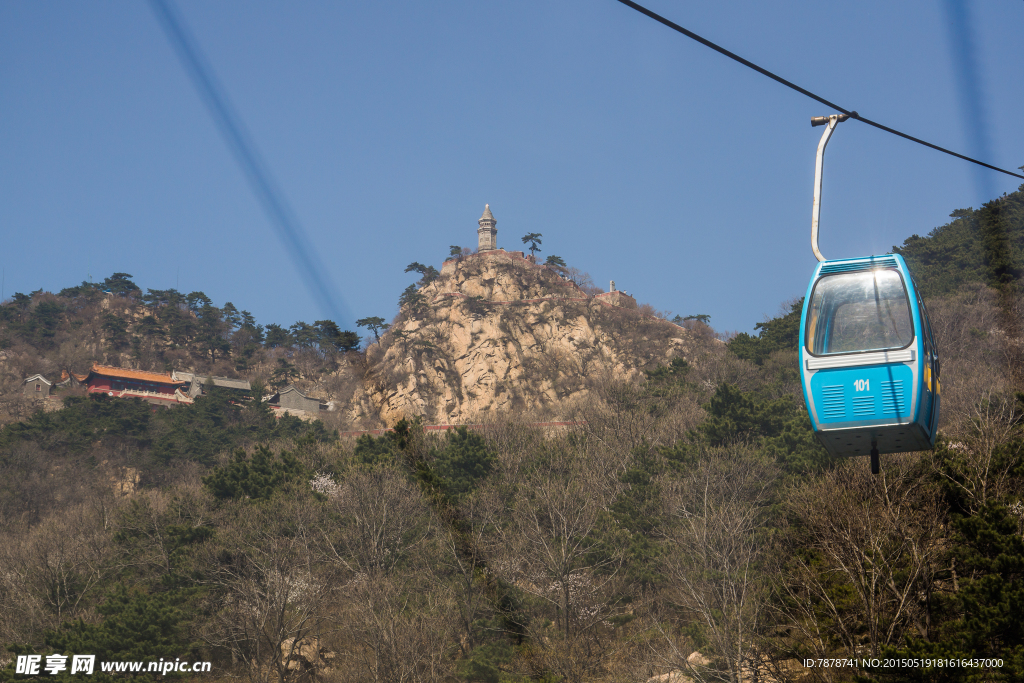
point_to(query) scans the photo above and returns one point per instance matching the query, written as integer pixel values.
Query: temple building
(290, 398)
(156, 388)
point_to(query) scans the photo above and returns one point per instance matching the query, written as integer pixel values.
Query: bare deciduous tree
(271, 589)
(549, 549)
(74, 355)
(145, 525)
(396, 621)
(382, 520)
(717, 546)
(465, 552)
(620, 415)
(982, 454)
(52, 574)
(870, 544)
(394, 633)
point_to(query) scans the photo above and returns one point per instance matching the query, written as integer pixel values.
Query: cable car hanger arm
(830, 122)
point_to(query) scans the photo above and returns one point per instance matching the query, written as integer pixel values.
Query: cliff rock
(496, 332)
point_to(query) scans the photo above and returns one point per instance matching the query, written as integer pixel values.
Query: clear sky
(640, 155)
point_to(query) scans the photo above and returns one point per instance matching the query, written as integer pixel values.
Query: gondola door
(931, 390)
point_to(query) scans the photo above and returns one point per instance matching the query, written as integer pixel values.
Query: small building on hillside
(197, 384)
(291, 398)
(616, 298)
(36, 386)
(156, 388)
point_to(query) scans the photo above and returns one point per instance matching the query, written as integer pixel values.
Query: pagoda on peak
(487, 234)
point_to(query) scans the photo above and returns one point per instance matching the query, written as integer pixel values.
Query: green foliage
(36, 325)
(83, 421)
(196, 301)
(231, 316)
(462, 462)
(82, 294)
(991, 599)
(666, 383)
(777, 334)
(794, 445)
(953, 464)
(303, 335)
(386, 449)
(324, 335)
(778, 427)
(981, 619)
(140, 527)
(120, 284)
(412, 301)
(427, 273)
(329, 335)
(136, 626)
(675, 372)
(256, 478)
(155, 298)
(375, 324)
(211, 333)
(533, 239)
(636, 514)
(150, 327)
(984, 245)
(277, 336)
(198, 432)
(43, 323)
(283, 373)
(116, 330)
(175, 321)
(487, 663)
(556, 261)
(21, 302)
(735, 415)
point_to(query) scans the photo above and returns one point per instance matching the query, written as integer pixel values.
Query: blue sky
(641, 156)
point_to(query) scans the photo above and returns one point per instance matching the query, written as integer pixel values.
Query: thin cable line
(309, 266)
(852, 114)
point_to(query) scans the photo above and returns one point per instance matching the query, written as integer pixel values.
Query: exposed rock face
(497, 332)
(307, 657)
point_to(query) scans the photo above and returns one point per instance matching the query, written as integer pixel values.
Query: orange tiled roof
(125, 373)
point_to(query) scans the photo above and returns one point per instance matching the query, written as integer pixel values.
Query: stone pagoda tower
(487, 233)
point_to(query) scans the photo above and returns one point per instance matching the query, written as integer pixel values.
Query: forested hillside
(978, 246)
(115, 323)
(687, 526)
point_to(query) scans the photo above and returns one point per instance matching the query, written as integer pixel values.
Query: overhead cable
(296, 242)
(852, 114)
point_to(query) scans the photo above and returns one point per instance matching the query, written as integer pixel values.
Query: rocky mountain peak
(496, 331)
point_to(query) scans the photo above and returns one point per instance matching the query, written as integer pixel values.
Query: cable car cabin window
(860, 311)
(926, 337)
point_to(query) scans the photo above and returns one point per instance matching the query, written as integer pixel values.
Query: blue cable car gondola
(868, 362)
